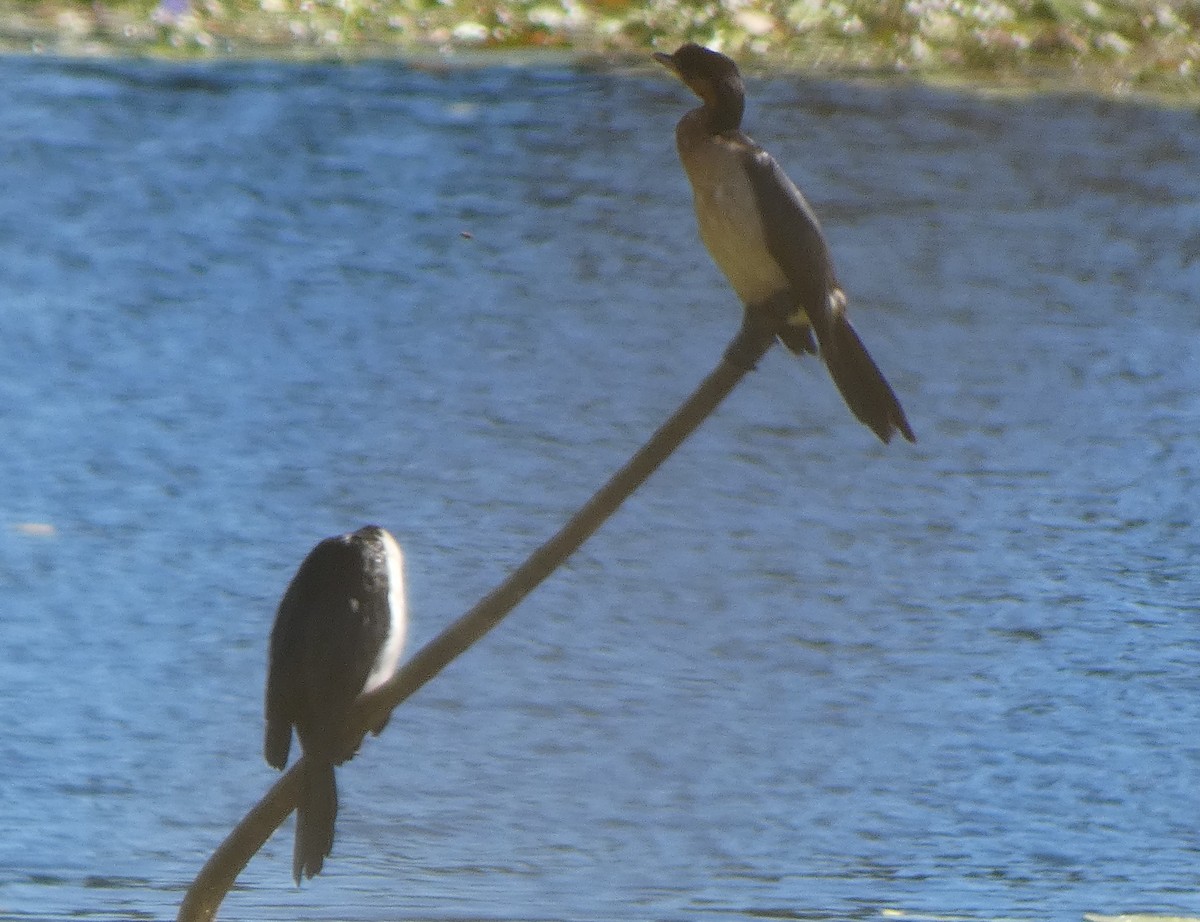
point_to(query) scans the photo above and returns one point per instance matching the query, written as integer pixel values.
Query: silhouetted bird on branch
(338, 633)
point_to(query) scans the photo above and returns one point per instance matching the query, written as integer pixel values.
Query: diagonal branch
(204, 897)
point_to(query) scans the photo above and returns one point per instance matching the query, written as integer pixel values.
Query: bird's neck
(722, 110)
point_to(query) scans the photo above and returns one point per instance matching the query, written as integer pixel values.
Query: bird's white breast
(728, 215)
(385, 663)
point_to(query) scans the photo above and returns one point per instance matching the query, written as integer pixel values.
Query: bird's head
(711, 76)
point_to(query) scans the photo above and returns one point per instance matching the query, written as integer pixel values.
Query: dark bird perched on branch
(765, 238)
(338, 633)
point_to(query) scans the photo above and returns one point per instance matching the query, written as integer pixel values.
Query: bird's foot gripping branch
(756, 336)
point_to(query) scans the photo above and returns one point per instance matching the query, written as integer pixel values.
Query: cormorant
(338, 634)
(765, 237)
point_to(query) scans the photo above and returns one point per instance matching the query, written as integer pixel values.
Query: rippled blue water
(800, 675)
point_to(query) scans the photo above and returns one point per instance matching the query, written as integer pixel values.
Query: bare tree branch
(204, 897)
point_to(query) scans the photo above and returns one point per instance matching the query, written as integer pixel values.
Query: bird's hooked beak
(670, 62)
(667, 61)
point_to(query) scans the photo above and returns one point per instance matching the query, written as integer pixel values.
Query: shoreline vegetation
(1114, 48)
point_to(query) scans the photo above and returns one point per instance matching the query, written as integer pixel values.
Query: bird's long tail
(315, 817)
(862, 384)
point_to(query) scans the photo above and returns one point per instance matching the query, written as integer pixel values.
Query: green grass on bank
(1109, 46)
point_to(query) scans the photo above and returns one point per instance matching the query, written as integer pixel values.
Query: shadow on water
(799, 676)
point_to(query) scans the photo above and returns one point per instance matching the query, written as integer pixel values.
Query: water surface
(799, 676)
